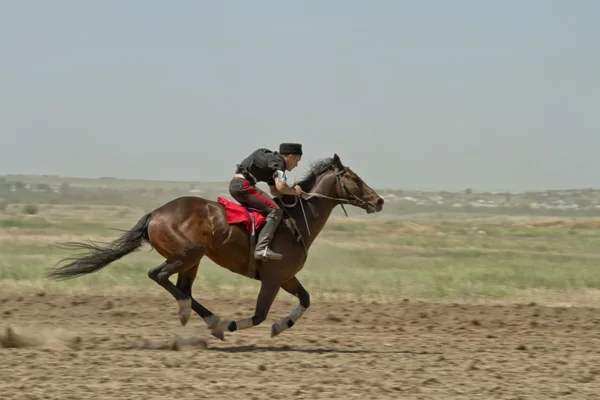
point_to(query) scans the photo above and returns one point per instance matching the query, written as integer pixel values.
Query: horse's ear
(336, 161)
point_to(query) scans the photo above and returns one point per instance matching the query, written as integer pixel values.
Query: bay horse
(188, 228)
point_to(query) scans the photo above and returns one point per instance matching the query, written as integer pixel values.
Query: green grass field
(474, 258)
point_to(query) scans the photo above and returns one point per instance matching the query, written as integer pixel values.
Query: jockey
(264, 165)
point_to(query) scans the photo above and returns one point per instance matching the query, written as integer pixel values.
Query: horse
(188, 228)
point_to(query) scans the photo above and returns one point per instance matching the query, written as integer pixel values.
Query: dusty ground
(76, 347)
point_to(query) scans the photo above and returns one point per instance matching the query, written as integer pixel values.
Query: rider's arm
(281, 185)
(274, 191)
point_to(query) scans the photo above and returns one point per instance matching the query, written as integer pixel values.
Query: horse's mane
(309, 179)
(315, 169)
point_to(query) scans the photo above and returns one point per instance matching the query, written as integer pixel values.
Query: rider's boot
(262, 250)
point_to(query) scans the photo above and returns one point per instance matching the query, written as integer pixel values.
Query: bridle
(345, 195)
(348, 198)
(340, 187)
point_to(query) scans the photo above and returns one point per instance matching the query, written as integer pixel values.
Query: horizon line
(473, 189)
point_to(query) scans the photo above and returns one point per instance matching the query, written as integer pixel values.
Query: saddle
(253, 220)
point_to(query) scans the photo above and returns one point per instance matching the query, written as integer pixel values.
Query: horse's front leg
(266, 296)
(294, 287)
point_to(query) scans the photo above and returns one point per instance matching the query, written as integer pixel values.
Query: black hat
(290, 148)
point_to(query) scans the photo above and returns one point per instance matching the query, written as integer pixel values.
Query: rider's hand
(298, 190)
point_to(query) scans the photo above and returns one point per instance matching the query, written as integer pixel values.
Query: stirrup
(264, 255)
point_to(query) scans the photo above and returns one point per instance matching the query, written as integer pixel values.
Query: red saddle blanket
(238, 214)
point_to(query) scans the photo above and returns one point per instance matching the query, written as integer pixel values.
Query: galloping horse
(188, 228)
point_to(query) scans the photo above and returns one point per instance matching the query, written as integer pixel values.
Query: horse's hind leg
(294, 287)
(161, 276)
(185, 280)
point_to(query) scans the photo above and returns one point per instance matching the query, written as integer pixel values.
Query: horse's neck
(318, 210)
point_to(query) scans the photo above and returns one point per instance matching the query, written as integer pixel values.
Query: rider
(264, 165)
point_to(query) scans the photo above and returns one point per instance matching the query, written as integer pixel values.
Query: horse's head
(329, 178)
(350, 187)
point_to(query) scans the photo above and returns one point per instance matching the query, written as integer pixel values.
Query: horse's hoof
(275, 330)
(212, 322)
(185, 310)
(218, 334)
(184, 317)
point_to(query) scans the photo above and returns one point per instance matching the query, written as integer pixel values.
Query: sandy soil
(83, 347)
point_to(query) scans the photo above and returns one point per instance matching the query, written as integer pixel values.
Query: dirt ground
(84, 347)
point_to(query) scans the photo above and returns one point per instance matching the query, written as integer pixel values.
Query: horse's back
(187, 205)
(186, 222)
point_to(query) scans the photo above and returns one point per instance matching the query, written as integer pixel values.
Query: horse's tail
(99, 257)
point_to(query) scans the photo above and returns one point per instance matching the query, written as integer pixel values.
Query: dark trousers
(250, 196)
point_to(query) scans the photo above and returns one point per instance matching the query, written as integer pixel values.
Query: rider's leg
(251, 196)
(266, 235)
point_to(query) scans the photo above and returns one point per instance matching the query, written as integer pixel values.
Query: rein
(340, 186)
(357, 201)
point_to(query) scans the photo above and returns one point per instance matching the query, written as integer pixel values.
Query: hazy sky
(428, 94)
